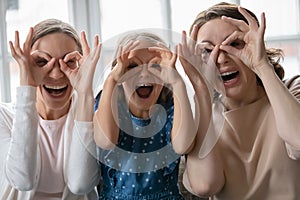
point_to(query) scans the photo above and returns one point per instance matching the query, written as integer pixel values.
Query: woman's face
(54, 94)
(239, 81)
(142, 88)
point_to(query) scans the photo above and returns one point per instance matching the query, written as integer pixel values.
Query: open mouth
(227, 76)
(55, 90)
(144, 90)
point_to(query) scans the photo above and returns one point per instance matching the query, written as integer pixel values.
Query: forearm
(82, 160)
(85, 107)
(105, 126)
(184, 128)
(204, 176)
(21, 162)
(285, 106)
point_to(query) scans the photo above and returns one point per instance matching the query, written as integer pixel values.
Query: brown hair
(166, 94)
(50, 26)
(231, 10)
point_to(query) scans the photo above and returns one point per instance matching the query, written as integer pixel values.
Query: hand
(247, 43)
(31, 73)
(123, 61)
(80, 68)
(166, 60)
(198, 61)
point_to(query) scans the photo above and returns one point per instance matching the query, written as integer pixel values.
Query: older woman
(41, 155)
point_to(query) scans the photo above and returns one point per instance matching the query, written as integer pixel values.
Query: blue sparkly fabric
(143, 165)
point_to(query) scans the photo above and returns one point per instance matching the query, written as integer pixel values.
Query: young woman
(42, 156)
(257, 154)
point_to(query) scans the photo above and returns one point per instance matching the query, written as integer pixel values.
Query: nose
(145, 71)
(222, 57)
(56, 72)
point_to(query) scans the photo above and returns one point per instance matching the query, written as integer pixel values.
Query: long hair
(231, 10)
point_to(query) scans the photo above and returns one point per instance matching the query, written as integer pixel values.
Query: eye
(239, 44)
(156, 66)
(72, 64)
(41, 62)
(206, 51)
(131, 66)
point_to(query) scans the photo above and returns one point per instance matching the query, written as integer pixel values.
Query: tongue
(55, 91)
(144, 92)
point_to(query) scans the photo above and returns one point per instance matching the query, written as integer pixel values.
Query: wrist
(265, 69)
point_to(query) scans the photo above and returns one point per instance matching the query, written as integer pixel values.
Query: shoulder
(295, 80)
(293, 84)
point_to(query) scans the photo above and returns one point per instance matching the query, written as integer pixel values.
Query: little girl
(143, 121)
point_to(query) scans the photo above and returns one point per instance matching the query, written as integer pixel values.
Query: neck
(143, 114)
(234, 103)
(52, 114)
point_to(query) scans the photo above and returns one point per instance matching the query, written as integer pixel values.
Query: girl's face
(54, 94)
(142, 88)
(239, 81)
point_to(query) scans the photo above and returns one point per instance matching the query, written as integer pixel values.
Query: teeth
(144, 85)
(228, 73)
(55, 87)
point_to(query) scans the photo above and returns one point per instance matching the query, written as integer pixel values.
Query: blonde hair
(166, 94)
(50, 26)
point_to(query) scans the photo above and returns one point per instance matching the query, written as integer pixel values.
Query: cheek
(158, 90)
(128, 90)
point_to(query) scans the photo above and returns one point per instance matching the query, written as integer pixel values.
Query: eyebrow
(209, 42)
(43, 52)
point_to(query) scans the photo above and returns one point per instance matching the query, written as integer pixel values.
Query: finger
(262, 27)
(194, 32)
(240, 24)
(183, 47)
(64, 68)
(17, 39)
(230, 50)
(183, 57)
(130, 46)
(73, 55)
(154, 60)
(85, 46)
(12, 50)
(251, 20)
(187, 43)
(96, 41)
(214, 55)
(27, 43)
(236, 35)
(174, 56)
(45, 69)
(16, 45)
(97, 51)
(183, 38)
(209, 70)
(119, 52)
(49, 65)
(96, 56)
(163, 51)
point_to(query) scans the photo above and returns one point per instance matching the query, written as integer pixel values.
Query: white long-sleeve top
(20, 152)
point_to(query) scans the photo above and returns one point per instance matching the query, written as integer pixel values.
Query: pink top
(51, 147)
